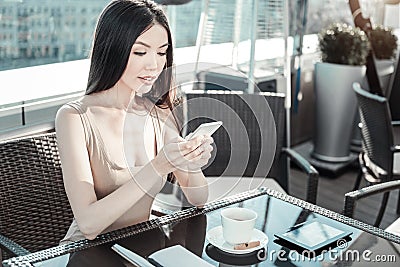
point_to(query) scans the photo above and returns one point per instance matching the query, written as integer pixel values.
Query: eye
(139, 53)
(162, 53)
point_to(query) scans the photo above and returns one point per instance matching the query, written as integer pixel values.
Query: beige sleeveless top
(108, 176)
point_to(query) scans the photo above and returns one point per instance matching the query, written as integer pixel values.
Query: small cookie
(243, 246)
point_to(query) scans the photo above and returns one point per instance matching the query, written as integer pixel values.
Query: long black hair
(119, 25)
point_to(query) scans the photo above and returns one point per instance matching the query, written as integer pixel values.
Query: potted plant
(342, 44)
(383, 42)
(384, 45)
(344, 50)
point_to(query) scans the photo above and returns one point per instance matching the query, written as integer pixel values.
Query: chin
(144, 89)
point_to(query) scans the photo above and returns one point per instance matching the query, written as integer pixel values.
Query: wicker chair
(34, 210)
(379, 160)
(366, 241)
(351, 199)
(245, 145)
(393, 92)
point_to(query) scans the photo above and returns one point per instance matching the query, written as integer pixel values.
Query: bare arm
(194, 185)
(90, 212)
(192, 181)
(190, 177)
(359, 20)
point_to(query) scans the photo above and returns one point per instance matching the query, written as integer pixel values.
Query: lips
(148, 79)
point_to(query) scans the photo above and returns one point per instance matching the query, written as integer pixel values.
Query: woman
(127, 108)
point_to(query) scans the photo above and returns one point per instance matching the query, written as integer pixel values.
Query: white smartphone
(205, 129)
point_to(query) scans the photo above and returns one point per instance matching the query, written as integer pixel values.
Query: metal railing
(32, 116)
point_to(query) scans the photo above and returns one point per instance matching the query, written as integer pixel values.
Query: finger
(187, 137)
(176, 144)
(206, 157)
(195, 142)
(194, 153)
(177, 139)
(208, 147)
(197, 161)
(189, 146)
(175, 151)
(181, 139)
(205, 148)
(186, 152)
(183, 160)
(185, 147)
(208, 139)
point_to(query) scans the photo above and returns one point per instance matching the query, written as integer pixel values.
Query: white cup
(237, 224)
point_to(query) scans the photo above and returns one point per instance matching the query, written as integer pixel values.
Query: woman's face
(146, 61)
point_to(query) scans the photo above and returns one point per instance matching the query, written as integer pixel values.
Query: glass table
(277, 212)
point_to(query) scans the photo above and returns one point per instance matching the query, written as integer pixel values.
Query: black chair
(351, 199)
(252, 141)
(366, 241)
(378, 159)
(34, 210)
(393, 93)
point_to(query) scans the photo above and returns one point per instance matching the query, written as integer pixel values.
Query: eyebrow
(147, 45)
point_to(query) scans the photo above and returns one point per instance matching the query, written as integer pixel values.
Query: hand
(200, 156)
(184, 155)
(363, 23)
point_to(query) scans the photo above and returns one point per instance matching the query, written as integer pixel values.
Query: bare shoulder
(68, 119)
(66, 113)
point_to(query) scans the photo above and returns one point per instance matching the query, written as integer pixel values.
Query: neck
(119, 97)
(123, 98)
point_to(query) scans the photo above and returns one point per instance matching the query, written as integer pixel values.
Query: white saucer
(214, 236)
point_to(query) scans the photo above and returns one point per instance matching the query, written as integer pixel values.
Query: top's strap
(84, 118)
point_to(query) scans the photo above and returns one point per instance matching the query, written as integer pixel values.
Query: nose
(151, 62)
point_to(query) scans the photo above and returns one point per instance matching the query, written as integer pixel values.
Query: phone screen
(205, 129)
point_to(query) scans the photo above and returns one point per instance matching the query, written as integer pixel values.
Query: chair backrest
(394, 92)
(34, 209)
(376, 130)
(253, 133)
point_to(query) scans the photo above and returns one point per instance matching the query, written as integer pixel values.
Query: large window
(36, 32)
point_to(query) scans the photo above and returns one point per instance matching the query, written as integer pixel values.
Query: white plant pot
(336, 105)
